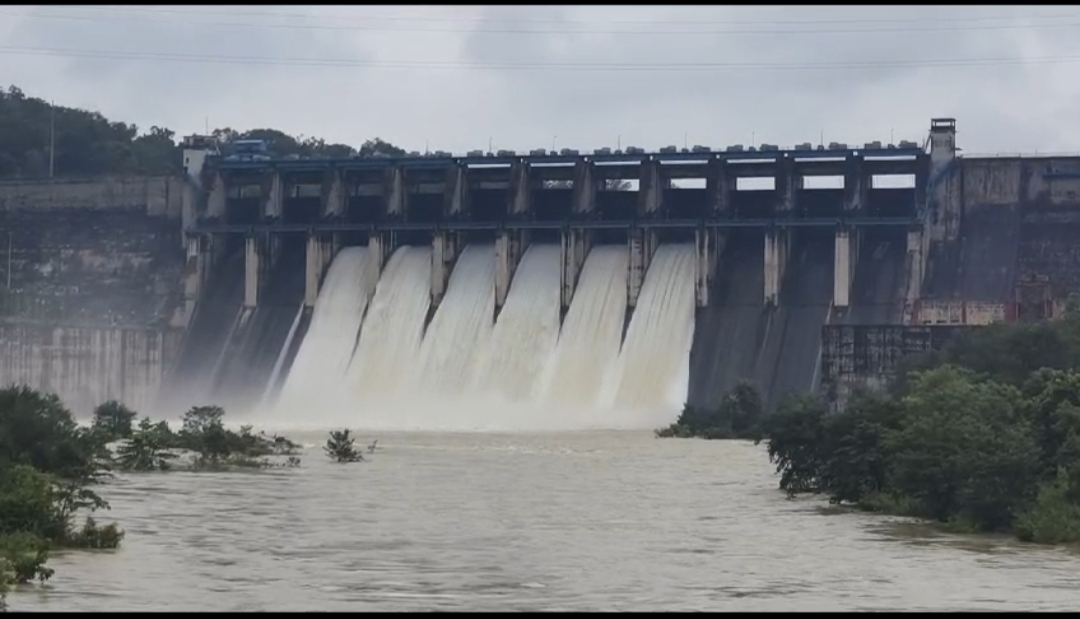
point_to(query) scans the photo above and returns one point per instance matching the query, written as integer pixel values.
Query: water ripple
(555, 522)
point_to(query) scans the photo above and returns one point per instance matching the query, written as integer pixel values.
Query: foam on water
(588, 348)
(327, 348)
(655, 357)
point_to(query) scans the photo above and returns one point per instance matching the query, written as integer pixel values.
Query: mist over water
(469, 372)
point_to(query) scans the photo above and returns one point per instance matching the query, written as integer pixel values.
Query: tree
(341, 447)
(113, 420)
(148, 449)
(204, 433)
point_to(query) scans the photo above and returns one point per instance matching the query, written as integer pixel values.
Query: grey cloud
(783, 105)
(1003, 107)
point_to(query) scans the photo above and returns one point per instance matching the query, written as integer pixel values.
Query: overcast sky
(523, 77)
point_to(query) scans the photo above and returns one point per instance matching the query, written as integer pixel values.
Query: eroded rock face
(90, 277)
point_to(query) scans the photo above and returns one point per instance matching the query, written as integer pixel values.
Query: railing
(686, 224)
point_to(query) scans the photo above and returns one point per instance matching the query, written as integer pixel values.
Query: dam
(540, 291)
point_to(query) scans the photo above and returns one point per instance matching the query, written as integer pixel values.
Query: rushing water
(585, 521)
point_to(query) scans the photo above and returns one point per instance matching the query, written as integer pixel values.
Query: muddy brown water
(586, 521)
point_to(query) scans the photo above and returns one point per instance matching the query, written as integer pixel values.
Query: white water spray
(324, 354)
(588, 346)
(655, 357)
(461, 326)
(391, 335)
(526, 332)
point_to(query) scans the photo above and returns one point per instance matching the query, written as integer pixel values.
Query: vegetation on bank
(50, 468)
(88, 144)
(737, 417)
(983, 435)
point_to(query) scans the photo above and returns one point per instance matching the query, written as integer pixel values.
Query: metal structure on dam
(797, 286)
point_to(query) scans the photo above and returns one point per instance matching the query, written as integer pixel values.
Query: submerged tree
(113, 420)
(341, 447)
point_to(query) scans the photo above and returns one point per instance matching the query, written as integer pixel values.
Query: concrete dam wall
(216, 282)
(90, 287)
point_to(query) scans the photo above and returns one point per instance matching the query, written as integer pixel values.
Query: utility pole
(684, 141)
(52, 139)
(9, 261)
(618, 143)
(553, 143)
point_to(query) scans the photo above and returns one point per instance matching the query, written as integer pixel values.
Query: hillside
(88, 144)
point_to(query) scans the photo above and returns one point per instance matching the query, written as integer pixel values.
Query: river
(587, 521)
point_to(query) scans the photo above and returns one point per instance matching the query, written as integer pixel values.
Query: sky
(519, 77)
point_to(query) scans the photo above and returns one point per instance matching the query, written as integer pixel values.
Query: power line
(693, 22)
(608, 67)
(535, 31)
(368, 28)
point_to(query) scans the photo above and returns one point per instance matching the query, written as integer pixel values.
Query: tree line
(51, 469)
(983, 435)
(39, 140)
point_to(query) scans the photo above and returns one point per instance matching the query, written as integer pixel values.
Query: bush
(737, 416)
(1054, 518)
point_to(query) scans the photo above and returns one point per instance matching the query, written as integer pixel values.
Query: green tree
(113, 420)
(204, 432)
(340, 446)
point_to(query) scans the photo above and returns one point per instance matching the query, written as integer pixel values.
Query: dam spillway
(201, 288)
(541, 287)
(651, 280)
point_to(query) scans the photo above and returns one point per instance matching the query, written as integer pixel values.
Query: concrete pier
(642, 246)
(444, 246)
(788, 184)
(584, 192)
(856, 185)
(574, 248)
(334, 194)
(845, 257)
(520, 190)
(273, 201)
(509, 247)
(253, 270)
(395, 192)
(216, 200)
(456, 196)
(718, 187)
(650, 193)
(320, 252)
(776, 254)
(708, 245)
(194, 275)
(914, 270)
